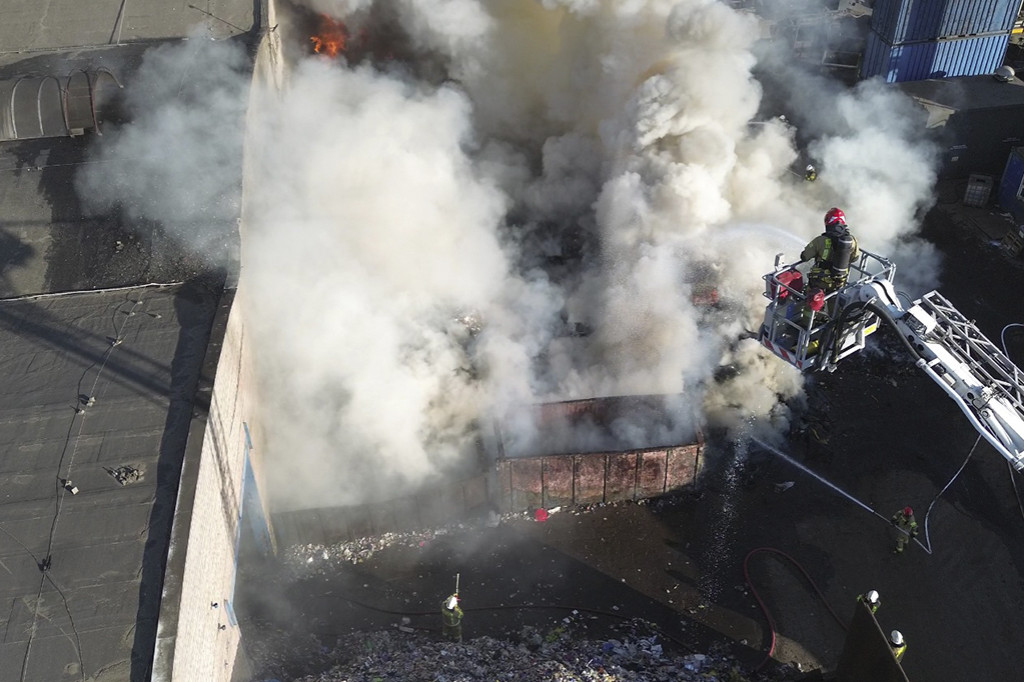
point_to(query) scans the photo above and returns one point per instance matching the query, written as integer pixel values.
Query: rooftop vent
(1004, 74)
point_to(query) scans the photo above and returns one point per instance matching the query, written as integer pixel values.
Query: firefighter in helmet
(451, 618)
(898, 645)
(906, 524)
(832, 252)
(871, 600)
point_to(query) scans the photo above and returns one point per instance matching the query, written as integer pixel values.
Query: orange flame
(330, 38)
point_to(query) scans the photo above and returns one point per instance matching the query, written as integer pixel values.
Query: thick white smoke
(423, 253)
(178, 162)
(373, 259)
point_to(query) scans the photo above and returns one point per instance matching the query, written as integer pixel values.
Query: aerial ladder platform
(987, 387)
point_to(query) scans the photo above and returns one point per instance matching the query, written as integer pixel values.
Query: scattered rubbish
(783, 487)
(310, 558)
(534, 655)
(69, 486)
(124, 474)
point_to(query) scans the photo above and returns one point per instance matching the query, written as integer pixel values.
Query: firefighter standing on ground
(451, 618)
(832, 252)
(897, 644)
(907, 525)
(872, 600)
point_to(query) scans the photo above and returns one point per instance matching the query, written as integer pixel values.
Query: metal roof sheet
(43, 25)
(901, 21)
(934, 59)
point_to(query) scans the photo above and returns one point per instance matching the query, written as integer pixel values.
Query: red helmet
(907, 511)
(835, 216)
(816, 299)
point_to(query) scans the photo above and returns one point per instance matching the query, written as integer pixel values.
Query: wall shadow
(195, 304)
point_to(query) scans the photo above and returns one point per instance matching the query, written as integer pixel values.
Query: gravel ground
(351, 628)
(537, 655)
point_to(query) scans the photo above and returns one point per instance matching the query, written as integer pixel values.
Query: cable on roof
(62, 488)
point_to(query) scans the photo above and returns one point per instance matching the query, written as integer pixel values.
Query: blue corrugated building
(932, 59)
(1011, 188)
(918, 39)
(909, 21)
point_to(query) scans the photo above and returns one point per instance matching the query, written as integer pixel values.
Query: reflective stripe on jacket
(820, 250)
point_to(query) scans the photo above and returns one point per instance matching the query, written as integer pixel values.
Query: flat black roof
(98, 391)
(967, 93)
(82, 566)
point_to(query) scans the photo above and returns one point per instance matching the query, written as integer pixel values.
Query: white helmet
(896, 638)
(872, 597)
(453, 601)
(1004, 74)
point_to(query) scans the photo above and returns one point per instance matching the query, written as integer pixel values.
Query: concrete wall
(219, 496)
(197, 640)
(510, 485)
(866, 653)
(208, 636)
(524, 482)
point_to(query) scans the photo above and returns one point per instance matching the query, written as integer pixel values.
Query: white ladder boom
(971, 369)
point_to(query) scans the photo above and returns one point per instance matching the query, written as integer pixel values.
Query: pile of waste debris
(535, 656)
(304, 560)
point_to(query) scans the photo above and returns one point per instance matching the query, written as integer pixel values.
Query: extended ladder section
(986, 385)
(949, 348)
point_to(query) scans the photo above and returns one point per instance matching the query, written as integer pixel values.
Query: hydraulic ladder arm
(988, 388)
(949, 348)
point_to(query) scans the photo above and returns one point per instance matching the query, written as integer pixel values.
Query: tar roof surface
(44, 26)
(48, 244)
(969, 93)
(92, 613)
(95, 607)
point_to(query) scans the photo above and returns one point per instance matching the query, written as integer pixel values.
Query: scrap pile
(536, 656)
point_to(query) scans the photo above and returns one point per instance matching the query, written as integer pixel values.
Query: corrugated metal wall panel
(936, 59)
(904, 21)
(1010, 185)
(522, 484)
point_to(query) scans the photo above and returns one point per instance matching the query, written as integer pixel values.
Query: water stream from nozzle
(798, 465)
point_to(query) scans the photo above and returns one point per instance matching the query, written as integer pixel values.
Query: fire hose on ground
(764, 607)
